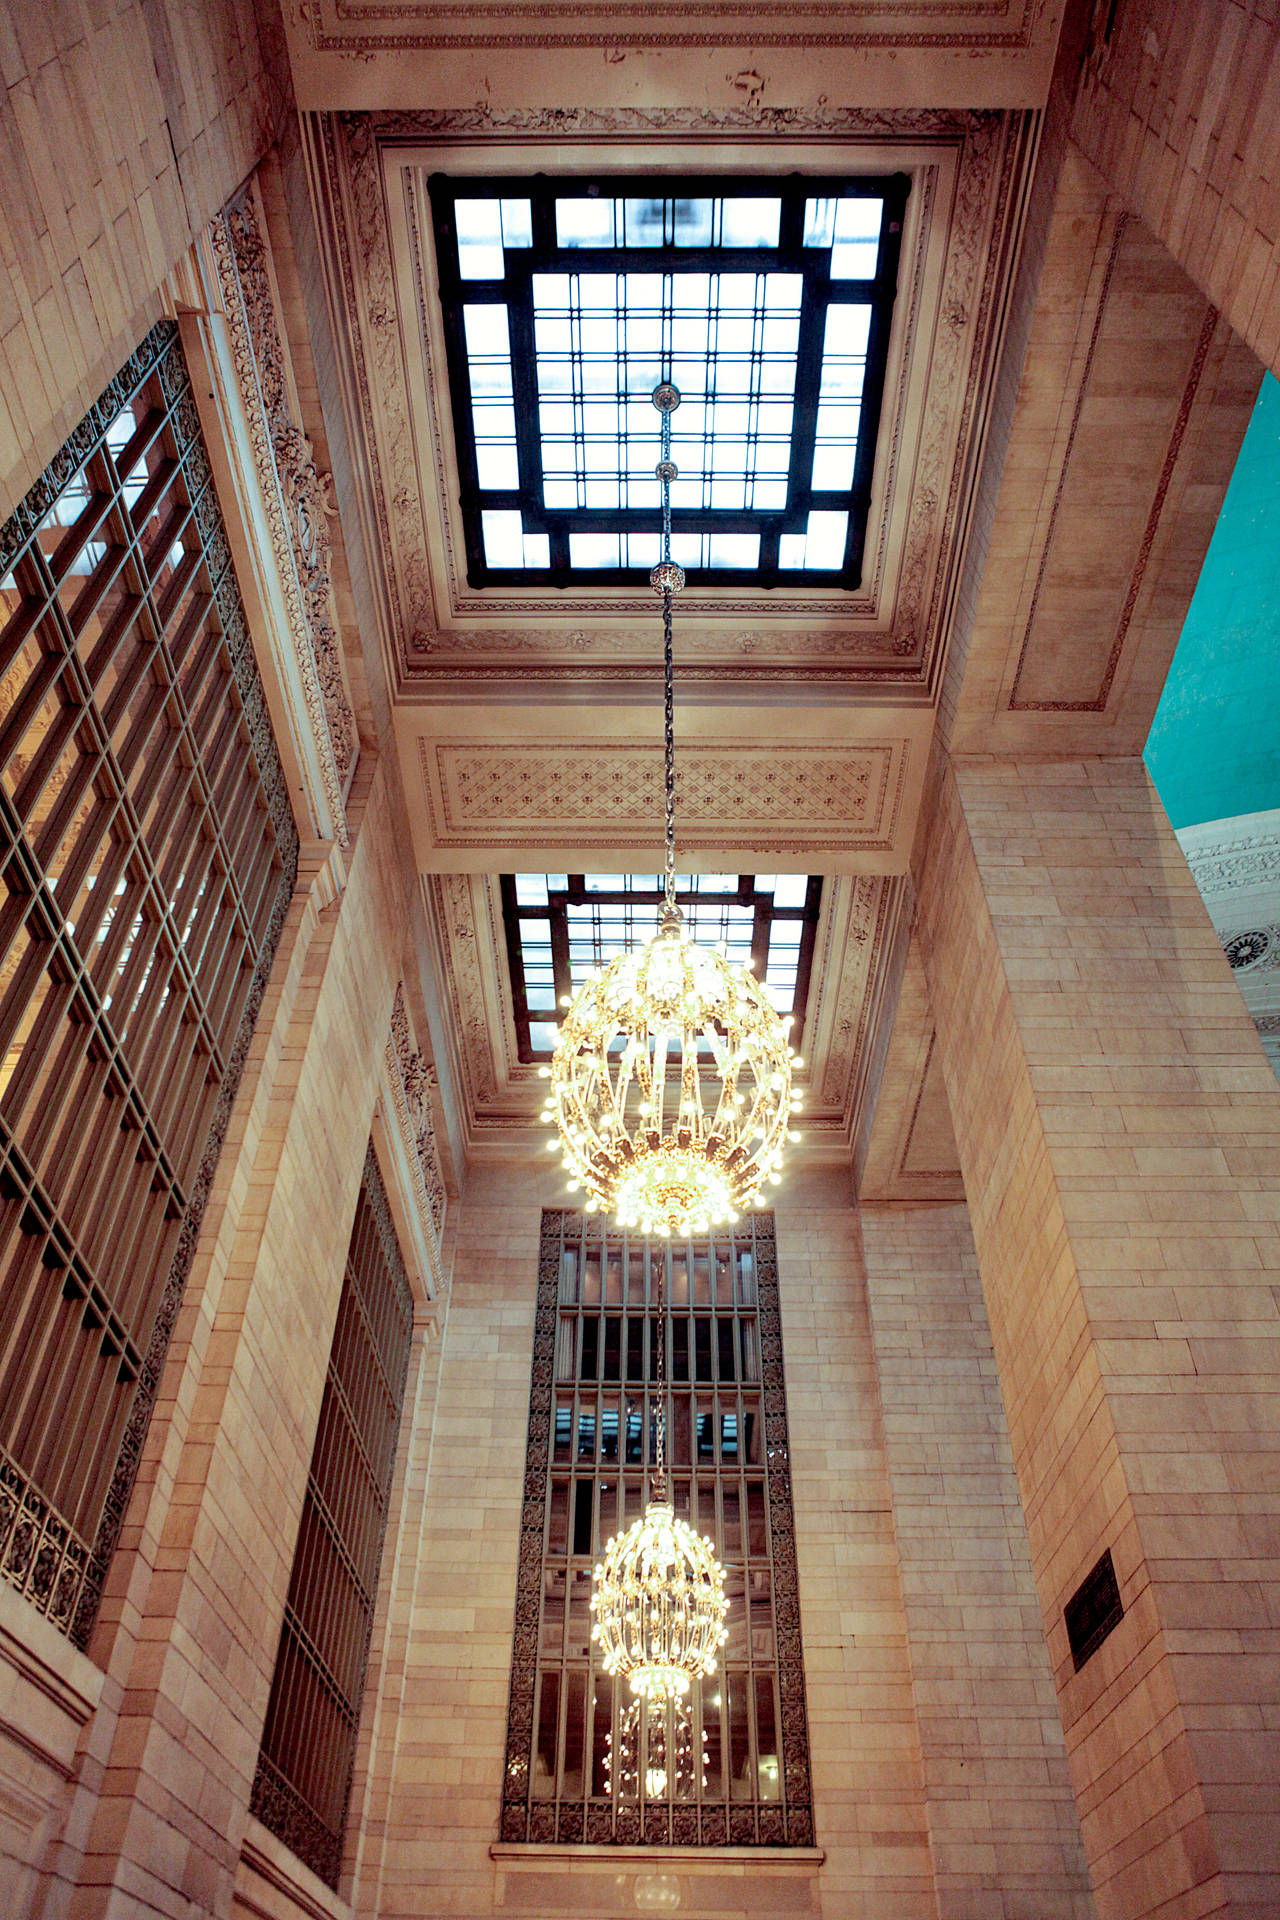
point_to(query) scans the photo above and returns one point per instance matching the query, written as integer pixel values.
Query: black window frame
(576, 894)
(819, 293)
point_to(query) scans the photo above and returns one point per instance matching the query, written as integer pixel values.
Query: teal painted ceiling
(1214, 745)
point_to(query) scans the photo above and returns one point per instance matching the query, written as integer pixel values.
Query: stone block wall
(1118, 1126)
(123, 128)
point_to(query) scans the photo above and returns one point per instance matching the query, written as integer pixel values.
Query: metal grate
(1093, 1611)
(560, 926)
(767, 301)
(303, 1782)
(147, 859)
(592, 1427)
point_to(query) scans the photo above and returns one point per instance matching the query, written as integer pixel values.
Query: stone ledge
(44, 1672)
(530, 1853)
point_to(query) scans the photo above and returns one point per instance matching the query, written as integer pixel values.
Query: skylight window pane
(503, 539)
(819, 222)
(479, 229)
(824, 540)
(517, 223)
(593, 550)
(496, 468)
(537, 549)
(857, 239)
(820, 547)
(643, 222)
(750, 223)
(732, 549)
(845, 337)
(585, 223)
(790, 889)
(693, 222)
(487, 334)
(531, 891)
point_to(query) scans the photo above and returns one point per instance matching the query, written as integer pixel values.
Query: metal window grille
(147, 859)
(303, 1783)
(592, 1427)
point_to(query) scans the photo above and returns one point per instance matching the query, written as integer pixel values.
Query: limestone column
(1003, 1828)
(1119, 1134)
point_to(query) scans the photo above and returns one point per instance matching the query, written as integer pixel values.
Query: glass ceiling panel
(562, 926)
(767, 302)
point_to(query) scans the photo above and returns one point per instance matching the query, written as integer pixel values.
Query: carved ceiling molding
(1234, 856)
(296, 497)
(408, 444)
(410, 26)
(795, 800)
(502, 1095)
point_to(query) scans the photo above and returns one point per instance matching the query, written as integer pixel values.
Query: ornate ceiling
(527, 721)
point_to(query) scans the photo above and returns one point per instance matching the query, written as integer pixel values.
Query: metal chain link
(668, 669)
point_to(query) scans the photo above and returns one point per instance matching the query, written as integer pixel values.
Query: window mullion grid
(92, 1016)
(726, 1394)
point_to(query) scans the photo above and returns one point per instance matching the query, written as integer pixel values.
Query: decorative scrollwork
(297, 496)
(416, 1078)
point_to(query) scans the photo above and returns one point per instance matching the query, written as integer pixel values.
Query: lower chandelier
(671, 1078)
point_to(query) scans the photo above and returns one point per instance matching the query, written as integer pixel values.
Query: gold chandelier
(671, 1078)
(659, 1602)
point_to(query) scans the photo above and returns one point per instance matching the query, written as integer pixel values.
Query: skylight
(767, 302)
(561, 926)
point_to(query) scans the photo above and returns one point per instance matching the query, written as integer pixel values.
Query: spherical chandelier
(671, 1078)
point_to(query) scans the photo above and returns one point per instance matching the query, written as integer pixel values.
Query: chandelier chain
(668, 671)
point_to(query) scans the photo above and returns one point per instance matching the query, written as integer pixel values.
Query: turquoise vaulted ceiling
(1214, 746)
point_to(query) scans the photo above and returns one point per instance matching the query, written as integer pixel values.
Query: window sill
(530, 1853)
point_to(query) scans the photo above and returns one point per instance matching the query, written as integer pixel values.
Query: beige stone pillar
(191, 1617)
(1118, 1129)
(1003, 1828)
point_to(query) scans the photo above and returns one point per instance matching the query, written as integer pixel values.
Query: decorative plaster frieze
(1240, 854)
(296, 496)
(417, 1079)
(788, 799)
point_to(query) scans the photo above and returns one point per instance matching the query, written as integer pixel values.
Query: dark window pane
(583, 1494)
(558, 1519)
(590, 1360)
(741, 1785)
(724, 1335)
(544, 1757)
(612, 1348)
(702, 1348)
(601, 1730)
(757, 1543)
(574, 1734)
(767, 1739)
